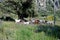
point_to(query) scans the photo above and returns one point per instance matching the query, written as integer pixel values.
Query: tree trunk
(20, 16)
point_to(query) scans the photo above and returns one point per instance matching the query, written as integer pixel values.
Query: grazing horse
(17, 20)
(27, 22)
(42, 21)
(50, 22)
(36, 22)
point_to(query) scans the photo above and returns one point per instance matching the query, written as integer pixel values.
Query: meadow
(13, 9)
(16, 31)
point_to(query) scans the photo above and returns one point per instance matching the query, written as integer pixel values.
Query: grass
(13, 31)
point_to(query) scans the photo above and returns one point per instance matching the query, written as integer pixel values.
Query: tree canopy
(22, 8)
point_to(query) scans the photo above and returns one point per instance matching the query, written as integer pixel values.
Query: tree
(19, 7)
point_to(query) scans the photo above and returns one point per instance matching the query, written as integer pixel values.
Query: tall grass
(13, 31)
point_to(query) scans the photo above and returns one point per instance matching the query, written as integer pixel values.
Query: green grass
(13, 31)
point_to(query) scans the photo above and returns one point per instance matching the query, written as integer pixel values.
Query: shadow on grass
(49, 30)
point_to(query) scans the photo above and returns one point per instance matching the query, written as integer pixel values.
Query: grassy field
(13, 31)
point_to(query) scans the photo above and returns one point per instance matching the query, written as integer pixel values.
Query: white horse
(17, 20)
(50, 22)
(32, 21)
(26, 22)
(42, 21)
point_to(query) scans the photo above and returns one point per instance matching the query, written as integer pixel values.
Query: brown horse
(36, 22)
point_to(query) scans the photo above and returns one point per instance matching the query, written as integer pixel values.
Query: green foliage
(18, 7)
